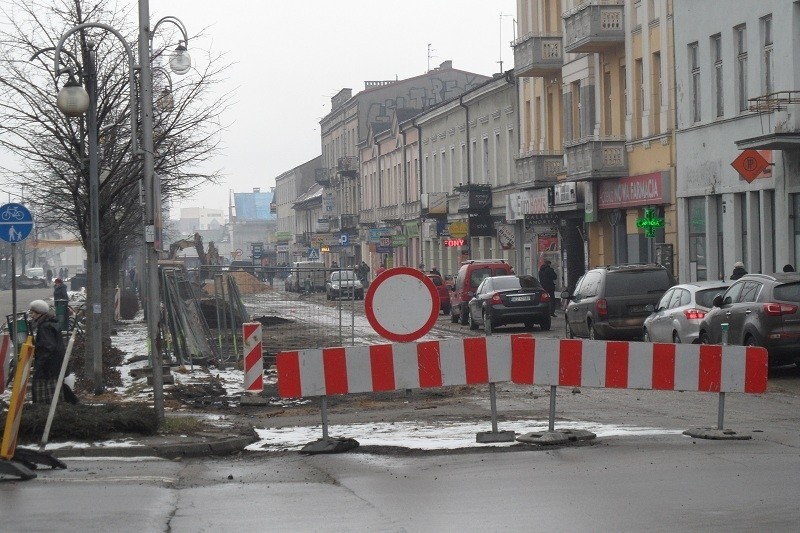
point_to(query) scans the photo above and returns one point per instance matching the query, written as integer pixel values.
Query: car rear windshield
(637, 282)
(706, 296)
(343, 275)
(790, 292)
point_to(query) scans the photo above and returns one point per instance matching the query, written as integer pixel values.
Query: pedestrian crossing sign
(313, 254)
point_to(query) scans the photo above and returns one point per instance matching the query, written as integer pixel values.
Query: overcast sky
(290, 58)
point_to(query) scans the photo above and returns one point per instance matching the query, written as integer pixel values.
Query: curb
(223, 446)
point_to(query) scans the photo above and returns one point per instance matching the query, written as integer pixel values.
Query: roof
(313, 193)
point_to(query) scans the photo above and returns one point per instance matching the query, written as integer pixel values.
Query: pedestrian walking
(48, 353)
(548, 277)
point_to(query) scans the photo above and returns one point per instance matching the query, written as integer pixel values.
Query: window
(697, 237)
(720, 240)
(694, 71)
(623, 108)
(716, 51)
(741, 66)
(750, 291)
(486, 160)
(463, 177)
(766, 29)
(655, 104)
(576, 110)
(607, 103)
(639, 73)
(498, 159)
(744, 227)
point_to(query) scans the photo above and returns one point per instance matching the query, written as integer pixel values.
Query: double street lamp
(74, 100)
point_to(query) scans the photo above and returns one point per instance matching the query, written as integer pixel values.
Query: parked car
(308, 270)
(444, 292)
(612, 302)
(760, 310)
(678, 315)
(502, 300)
(343, 283)
(470, 275)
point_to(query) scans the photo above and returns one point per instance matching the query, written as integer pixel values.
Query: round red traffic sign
(402, 304)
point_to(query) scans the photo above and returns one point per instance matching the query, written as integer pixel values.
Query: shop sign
(481, 226)
(453, 242)
(458, 229)
(329, 204)
(412, 229)
(323, 224)
(533, 202)
(475, 200)
(631, 191)
(282, 248)
(565, 193)
(399, 240)
(505, 236)
(283, 236)
(434, 202)
(375, 234)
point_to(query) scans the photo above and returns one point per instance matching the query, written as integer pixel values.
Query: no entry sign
(402, 304)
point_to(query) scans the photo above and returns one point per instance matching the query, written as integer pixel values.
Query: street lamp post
(180, 65)
(73, 100)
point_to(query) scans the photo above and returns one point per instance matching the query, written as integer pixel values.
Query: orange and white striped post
(253, 359)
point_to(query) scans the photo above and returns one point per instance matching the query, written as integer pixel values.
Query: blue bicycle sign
(16, 223)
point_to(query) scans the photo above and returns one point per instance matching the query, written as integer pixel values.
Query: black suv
(611, 302)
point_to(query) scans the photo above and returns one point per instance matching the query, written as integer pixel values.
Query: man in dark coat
(48, 353)
(548, 277)
(738, 270)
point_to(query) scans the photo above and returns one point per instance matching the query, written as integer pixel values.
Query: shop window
(697, 239)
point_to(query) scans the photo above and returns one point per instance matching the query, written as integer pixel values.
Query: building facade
(738, 77)
(288, 187)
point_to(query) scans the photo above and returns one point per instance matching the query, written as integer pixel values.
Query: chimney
(446, 65)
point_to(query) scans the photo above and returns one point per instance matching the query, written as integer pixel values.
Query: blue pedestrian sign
(16, 223)
(313, 254)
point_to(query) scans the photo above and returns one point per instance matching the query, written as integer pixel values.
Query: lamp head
(72, 100)
(181, 62)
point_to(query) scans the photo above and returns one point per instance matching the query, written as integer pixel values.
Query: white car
(678, 314)
(344, 283)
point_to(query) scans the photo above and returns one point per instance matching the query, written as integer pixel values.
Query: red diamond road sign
(750, 164)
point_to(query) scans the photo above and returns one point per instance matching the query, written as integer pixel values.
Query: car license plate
(520, 298)
(640, 308)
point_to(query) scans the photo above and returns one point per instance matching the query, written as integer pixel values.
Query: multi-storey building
(467, 147)
(738, 78)
(288, 187)
(596, 91)
(347, 126)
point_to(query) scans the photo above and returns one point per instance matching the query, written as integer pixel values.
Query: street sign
(16, 223)
(313, 254)
(750, 164)
(344, 239)
(402, 304)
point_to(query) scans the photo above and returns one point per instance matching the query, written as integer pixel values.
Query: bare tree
(52, 147)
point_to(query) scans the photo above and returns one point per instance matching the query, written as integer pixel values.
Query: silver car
(679, 312)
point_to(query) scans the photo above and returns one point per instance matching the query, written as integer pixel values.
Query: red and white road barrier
(5, 346)
(524, 360)
(253, 358)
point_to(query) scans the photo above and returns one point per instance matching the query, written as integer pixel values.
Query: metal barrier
(522, 359)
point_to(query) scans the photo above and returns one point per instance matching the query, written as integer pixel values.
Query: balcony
(539, 169)
(538, 55)
(347, 166)
(389, 213)
(322, 177)
(780, 122)
(410, 210)
(347, 222)
(366, 217)
(302, 238)
(594, 26)
(595, 158)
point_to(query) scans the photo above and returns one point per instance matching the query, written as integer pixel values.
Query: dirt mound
(248, 283)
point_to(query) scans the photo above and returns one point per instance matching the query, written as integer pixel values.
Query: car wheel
(750, 341)
(676, 338)
(704, 338)
(646, 336)
(446, 309)
(487, 323)
(545, 324)
(472, 323)
(592, 332)
(463, 317)
(568, 330)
